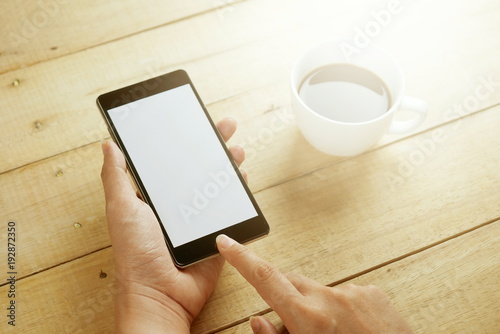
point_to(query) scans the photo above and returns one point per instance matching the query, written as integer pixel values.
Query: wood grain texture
(451, 288)
(74, 298)
(331, 218)
(36, 31)
(340, 224)
(239, 60)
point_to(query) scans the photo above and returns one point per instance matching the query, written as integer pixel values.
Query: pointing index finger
(269, 282)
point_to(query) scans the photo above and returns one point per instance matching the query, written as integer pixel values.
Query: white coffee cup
(346, 139)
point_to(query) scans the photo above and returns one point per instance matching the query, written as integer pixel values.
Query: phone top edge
(164, 75)
(145, 88)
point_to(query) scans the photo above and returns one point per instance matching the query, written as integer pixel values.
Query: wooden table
(418, 215)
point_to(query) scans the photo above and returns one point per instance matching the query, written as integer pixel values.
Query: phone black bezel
(204, 247)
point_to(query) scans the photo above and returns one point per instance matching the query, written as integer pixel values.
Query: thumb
(114, 176)
(261, 325)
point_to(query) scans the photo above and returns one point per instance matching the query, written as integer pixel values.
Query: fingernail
(255, 324)
(223, 241)
(232, 119)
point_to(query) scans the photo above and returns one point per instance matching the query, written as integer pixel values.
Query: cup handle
(418, 107)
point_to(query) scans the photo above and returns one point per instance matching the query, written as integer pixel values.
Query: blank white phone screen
(182, 164)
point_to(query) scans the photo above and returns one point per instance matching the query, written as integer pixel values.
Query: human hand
(153, 295)
(306, 306)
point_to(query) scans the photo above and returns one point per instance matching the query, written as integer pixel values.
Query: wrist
(148, 311)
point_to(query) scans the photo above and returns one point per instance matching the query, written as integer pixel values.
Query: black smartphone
(181, 166)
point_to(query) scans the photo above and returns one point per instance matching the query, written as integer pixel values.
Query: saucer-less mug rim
(295, 86)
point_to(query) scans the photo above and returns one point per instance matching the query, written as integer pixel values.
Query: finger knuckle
(374, 290)
(323, 321)
(264, 271)
(350, 286)
(342, 295)
(341, 298)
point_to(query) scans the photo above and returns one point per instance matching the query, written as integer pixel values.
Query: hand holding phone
(147, 279)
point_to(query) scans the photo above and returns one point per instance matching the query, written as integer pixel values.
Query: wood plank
(36, 31)
(344, 219)
(451, 288)
(41, 124)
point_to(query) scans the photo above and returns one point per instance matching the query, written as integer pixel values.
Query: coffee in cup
(345, 93)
